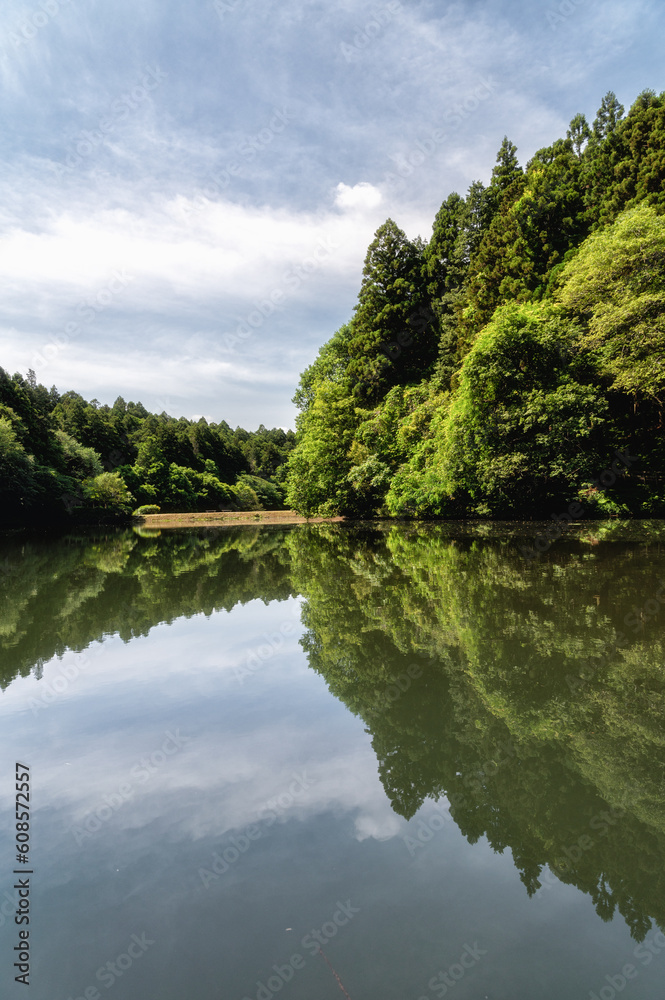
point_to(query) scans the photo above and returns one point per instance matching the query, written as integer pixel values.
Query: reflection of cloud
(271, 743)
(239, 793)
(379, 827)
(101, 665)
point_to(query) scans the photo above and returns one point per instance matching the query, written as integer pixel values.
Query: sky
(189, 188)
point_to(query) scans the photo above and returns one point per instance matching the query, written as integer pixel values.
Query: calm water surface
(386, 763)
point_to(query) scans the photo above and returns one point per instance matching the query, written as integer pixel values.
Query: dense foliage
(498, 370)
(65, 459)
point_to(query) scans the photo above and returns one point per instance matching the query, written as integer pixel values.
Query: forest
(66, 460)
(510, 367)
(513, 365)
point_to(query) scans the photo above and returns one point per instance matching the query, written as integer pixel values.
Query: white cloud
(182, 299)
(181, 249)
(362, 196)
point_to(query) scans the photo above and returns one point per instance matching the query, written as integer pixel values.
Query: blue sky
(189, 189)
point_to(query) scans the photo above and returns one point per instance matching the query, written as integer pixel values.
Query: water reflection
(539, 711)
(526, 697)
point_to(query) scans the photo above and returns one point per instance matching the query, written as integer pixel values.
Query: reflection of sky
(238, 701)
(336, 839)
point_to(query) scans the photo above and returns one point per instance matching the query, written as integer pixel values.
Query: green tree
(524, 430)
(478, 211)
(393, 332)
(270, 495)
(320, 463)
(31, 405)
(628, 165)
(530, 235)
(607, 118)
(617, 284)
(525, 427)
(91, 427)
(445, 267)
(18, 490)
(579, 134)
(245, 497)
(505, 172)
(108, 491)
(80, 462)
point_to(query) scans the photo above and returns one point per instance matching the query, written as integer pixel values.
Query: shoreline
(211, 519)
(476, 527)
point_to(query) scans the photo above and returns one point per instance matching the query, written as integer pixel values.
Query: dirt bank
(211, 519)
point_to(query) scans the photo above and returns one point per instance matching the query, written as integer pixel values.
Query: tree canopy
(496, 369)
(65, 459)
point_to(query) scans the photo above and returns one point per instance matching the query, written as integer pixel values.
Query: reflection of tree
(529, 755)
(510, 714)
(59, 594)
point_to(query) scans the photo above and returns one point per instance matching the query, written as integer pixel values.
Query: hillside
(512, 366)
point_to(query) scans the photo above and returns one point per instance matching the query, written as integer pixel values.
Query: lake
(379, 761)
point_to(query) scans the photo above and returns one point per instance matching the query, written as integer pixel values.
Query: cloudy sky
(189, 188)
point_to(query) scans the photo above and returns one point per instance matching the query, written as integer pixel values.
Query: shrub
(147, 508)
(245, 497)
(271, 495)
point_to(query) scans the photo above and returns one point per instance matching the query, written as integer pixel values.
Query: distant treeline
(514, 365)
(65, 459)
